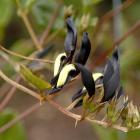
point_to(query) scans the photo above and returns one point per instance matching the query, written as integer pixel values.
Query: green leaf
(33, 79)
(6, 11)
(106, 134)
(42, 11)
(135, 135)
(16, 132)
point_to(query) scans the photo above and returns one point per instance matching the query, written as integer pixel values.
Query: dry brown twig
(28, 25)
(54, 104)
(19, 117)
(107, 17)
(50, 24)
(9, 95)
(24, 57)
(20, 87)
(103, 56)
(127, 34)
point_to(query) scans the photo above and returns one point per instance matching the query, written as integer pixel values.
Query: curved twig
(19, 117)
(28, 25)
(103, 56)
(9, 95)
(24, 57)
(50, 24)
(20, 87)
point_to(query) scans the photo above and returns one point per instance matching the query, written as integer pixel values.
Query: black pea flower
(83, 54)
(58, 65)
(70, 46)
(63, 71)
(97, 77)
(111, 80)
(81, 57)
(87, 79)
(66, 74)
(71, 39)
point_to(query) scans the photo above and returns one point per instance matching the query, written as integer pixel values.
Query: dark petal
(115, 58)
(71, 39)
(111, 86)
(78, 95)
(70, 76)
(35, 65)
(45, 51)
(61, 65)
(54, 80)
(69, 47)
(71, 27)
(63, 58)
(120, 92)
(82, 55)
(87, 79)
(108, 71)
(54, 90)
(116, 54)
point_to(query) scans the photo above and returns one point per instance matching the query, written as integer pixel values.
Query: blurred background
(46, 123)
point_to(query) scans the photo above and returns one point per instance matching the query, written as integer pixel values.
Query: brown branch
(103, 56)
(54, 104)
(19, 117)
(30, 30)
(24, 57)
(136, 128)
(108, 16)
(6, 87)
(50, 24)
(9, 95)
(65, 111)
(105, 124)
(61, 109)
(127, 34)
(18, 86)
(22, 13)
(8, 59)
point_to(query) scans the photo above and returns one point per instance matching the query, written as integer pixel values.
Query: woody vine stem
(54, 104)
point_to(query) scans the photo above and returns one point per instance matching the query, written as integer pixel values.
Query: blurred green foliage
(111, 134)
(16, 132)
(6, 10)
(33, 79)
(40, 12)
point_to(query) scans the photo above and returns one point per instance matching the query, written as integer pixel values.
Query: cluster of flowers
(98, 88)
(67, 66)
